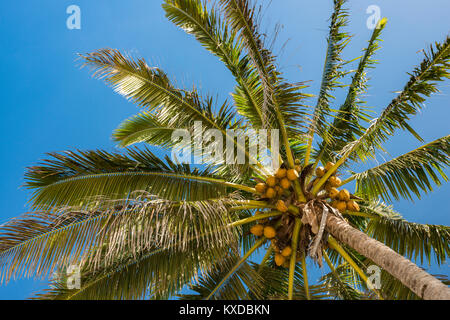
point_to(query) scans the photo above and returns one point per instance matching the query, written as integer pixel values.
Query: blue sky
(49, 104)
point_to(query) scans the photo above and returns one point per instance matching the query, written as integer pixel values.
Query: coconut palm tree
(138, 226)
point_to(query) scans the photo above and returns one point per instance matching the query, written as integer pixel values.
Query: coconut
(279, 259)
(261, 187)
(286, 252)
(271, 181)
(334, 203)
(344, 195)
(341, 206)
(257, 230)
(269, 232)
(292, 174)
(281, 173)
(270, 193)
(333, 193)
(285, 183)
(320, 172)
(329, 165)
(353, 206)
(298, 168)
(281, 206)
(328, 186)
(286, 264)
(335, 181)
(297, 161)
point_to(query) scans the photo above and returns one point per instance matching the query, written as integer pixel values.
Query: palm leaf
(346, 124)
(422, 83)
(407, 174)
(74, 178)
(407, 238)
(337, 41)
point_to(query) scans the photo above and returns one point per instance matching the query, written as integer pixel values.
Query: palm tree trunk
(420, 282)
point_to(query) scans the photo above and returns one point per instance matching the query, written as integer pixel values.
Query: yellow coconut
(333, 193)
(281, 173)
(335, 181)
(341, 206)
(286, 252)
(344, 195)
(285, 183)
(281, 206)
(353, 206)
(298, 168)
(292, 174)
(261, 187)
(320, 172)
(269, 232)
(279, 259)
(271, 193)
(328, 186)
(334, 203)
(271, 181)
(297, 161)
(329, 165)
(257, 230)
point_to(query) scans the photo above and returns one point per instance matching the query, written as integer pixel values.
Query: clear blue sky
(49, 104)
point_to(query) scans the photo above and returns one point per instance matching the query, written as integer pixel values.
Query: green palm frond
(422, 84)
(206, 26)
(346, 124)
(332, 72)
(155, 274)
(281, 100)
(407, 174)
(151, 88)
(410, 239)
(41, 242)
(38, 243)
(74, 178)
(342, 283)
(236, 287)
(145, 127)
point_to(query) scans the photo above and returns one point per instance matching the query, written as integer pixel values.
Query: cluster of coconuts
(275, 188)
(278, 189)
(279, 185)
(282, 256)
(340, 199)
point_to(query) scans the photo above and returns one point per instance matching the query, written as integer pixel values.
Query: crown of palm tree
(139, 226)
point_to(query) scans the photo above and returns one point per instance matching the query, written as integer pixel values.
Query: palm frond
(407, 174)
(332, 72)
(281, 100)
(155, 274)
(422, 83)
(346, 124)
(206, 26)
(236, 287)
(74, 178)
(145, 127)
(412, 240)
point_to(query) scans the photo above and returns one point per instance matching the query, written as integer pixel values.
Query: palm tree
(138, 226)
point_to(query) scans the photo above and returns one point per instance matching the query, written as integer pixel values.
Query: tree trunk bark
(420, 282)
